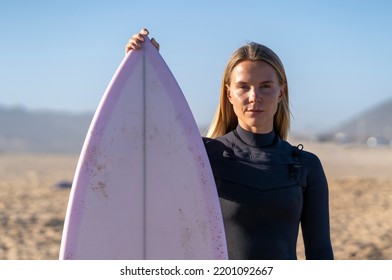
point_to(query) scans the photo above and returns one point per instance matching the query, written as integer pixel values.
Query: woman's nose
(254, 95)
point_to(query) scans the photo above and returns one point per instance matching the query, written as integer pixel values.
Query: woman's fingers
(155, 43)
(137, 40)
(144, 32)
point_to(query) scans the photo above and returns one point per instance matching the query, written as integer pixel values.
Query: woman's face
(254, 92)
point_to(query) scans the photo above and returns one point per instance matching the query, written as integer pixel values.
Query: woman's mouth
(254, 110)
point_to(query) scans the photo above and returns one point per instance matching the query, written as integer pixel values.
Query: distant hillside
(23, 130)
(27, 131)
(374, 125)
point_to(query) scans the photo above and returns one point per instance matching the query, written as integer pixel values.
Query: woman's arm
(315, 213)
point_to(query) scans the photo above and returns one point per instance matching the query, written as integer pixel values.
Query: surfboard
(143, 186)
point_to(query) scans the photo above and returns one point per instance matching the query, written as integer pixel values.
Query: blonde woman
(267, 187)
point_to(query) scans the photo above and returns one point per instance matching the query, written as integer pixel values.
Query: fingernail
(144, 31)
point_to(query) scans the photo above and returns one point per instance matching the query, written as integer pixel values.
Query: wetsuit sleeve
(315, 212)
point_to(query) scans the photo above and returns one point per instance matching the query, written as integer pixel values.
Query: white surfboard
(143, 187)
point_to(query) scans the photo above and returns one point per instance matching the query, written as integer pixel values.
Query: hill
(23, 130)
(27, 131)
(373, 127)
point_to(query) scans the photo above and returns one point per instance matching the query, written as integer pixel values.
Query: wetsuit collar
(255, 139)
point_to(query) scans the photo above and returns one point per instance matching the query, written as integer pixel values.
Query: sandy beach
(32, 210)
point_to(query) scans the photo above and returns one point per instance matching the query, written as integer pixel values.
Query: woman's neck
(255, 139)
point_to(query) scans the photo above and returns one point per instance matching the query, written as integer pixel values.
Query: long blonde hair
(225, 119)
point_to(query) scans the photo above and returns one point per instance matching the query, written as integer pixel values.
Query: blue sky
(61, 55)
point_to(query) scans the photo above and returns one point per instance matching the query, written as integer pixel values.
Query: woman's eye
(244, 87)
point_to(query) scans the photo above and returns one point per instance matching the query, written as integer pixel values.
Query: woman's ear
(228, 94)
(281, 92)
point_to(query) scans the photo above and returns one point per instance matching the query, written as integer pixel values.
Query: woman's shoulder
(306, 157)
(312, 169)
(209, 141)
(215, 143)
(226, 140)
(312, 166)
(310, 158)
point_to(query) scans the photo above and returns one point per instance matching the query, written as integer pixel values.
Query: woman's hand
(137, 40)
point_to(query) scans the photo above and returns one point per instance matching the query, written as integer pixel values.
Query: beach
(32, 209)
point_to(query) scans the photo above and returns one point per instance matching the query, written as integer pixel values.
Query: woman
(267, 187)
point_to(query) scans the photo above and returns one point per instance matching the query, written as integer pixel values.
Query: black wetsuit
(267, 188)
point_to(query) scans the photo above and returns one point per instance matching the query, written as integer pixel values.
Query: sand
(32, 210)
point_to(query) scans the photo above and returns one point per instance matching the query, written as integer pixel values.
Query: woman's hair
(225, 119)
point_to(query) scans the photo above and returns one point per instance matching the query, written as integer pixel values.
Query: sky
(61, 55)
